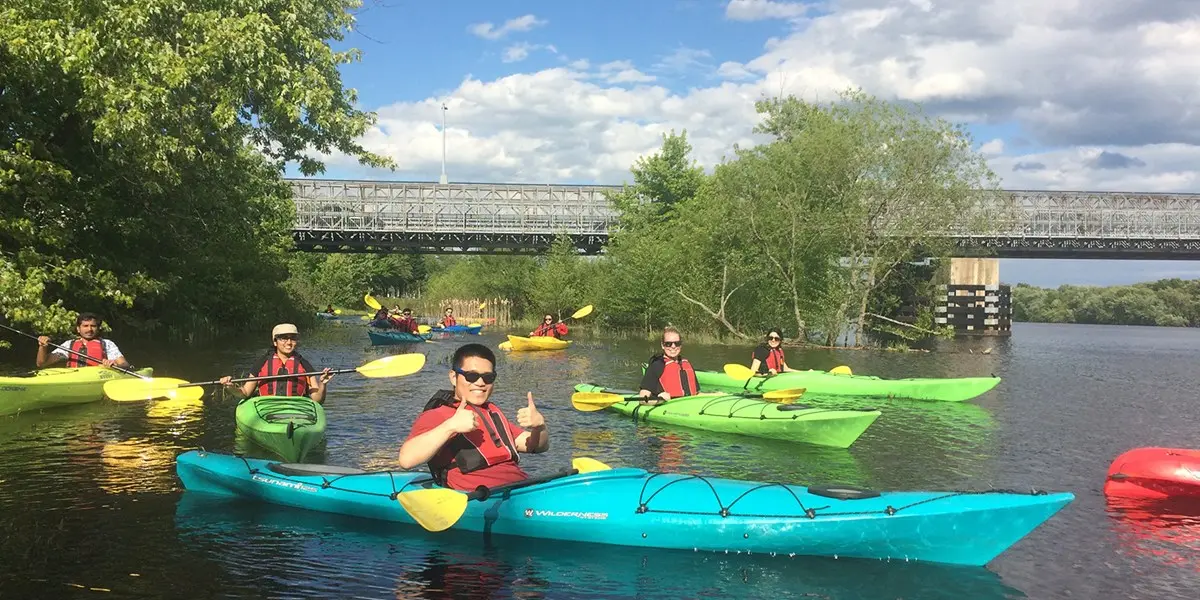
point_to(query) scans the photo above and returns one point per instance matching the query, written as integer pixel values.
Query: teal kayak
(385, 337)
(634, 507)
(823, 383)
(288, 426)
(750, 416)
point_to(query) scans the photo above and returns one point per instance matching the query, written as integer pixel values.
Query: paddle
(841, 370)
(397, 365)
(583, 312)
(737, 371)
(593, 401)
(79, 354)
(372, 302)
(438, 509)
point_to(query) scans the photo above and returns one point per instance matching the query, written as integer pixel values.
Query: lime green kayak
(288, 426)
(751, 416)
(53, 387)
(823, 383)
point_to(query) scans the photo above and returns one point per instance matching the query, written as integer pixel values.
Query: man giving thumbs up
(465, 438)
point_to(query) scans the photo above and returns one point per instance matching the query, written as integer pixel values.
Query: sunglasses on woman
(471, 376)
(672, 344)
(774, 338)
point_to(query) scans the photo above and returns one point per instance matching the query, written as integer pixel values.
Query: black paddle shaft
(272, 377)
(484, 492)
(79, 354)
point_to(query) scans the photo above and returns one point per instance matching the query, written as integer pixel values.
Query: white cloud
(993, 147)
(489, 31)
(520, 51)
(759, 10)
(1113, 88)
(683, 59)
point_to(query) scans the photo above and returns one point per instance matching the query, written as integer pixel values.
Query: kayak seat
(842, 492)
(310, 470)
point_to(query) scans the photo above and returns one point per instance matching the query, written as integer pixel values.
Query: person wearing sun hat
(282, 359)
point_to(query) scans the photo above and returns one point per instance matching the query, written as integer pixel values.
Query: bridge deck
(337, 215)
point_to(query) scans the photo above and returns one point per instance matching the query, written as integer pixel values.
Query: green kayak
(289, 426)
(823, 383)
(57, 386)
(750, 416)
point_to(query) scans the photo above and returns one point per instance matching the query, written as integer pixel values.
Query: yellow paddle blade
(593, 401)
(737, 371)
(337, 311)
(372, 302)
(506, 346)
(584, 464)
(423, 329)
(583, 312)
(365, 318)
(434, 509)
(483, 306)
(133, 390)
(789, 394)
(841, 370)
(474, 325)
(397, 365)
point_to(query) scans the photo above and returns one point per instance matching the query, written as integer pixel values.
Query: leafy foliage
(141, 147)
(1166, 303)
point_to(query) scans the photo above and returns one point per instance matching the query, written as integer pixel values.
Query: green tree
(141, 147)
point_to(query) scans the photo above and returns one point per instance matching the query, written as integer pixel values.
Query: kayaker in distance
(669, 375)
(448, 320)
(464, 437)
(549, 328)
(380, 319)
(282, 359)
(329, 310)
(768, 358)
(406, 322)
(89, 342)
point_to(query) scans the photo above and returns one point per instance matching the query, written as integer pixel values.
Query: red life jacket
(485, 447)
(678, 378)
(295, 386)
(449, 322)
(774, 360)
(552, 330)
(92, 348)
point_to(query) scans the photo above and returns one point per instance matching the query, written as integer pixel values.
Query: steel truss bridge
(378, 216)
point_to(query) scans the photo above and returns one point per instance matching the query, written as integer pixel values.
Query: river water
(90, 505)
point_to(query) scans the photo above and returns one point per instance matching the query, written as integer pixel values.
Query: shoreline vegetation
(141, 164)
(1163, 303)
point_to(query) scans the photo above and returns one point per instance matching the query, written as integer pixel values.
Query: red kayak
(1155, 473)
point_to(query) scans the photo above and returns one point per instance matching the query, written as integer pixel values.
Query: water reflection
(308, 554)
(1167, 530)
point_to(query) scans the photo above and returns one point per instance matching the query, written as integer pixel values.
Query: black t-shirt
(654, 371)
(761, 353)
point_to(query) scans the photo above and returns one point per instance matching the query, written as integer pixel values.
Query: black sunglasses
(287, 336)
(673, 344)
(471, 376)
(774, 338)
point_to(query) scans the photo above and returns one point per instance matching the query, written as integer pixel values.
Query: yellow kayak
(517, 343)
(57, 387)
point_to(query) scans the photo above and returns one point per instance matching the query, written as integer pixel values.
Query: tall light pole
(443, 180)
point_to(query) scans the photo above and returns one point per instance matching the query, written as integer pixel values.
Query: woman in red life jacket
(464, 437)
(768, 358)
(448, 320)
(282, 359)
(669, 375)
(100, 351)
(549, 328)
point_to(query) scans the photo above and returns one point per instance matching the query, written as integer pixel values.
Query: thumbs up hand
(529, 416)
(464, 419)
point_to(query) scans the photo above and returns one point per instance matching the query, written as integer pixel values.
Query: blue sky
(574, 92)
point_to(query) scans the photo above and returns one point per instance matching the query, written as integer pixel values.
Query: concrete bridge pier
(974, 301)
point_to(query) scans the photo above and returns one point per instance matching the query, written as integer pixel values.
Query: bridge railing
(523, 209)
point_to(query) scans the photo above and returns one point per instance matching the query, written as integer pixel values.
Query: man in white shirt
(100, 351)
